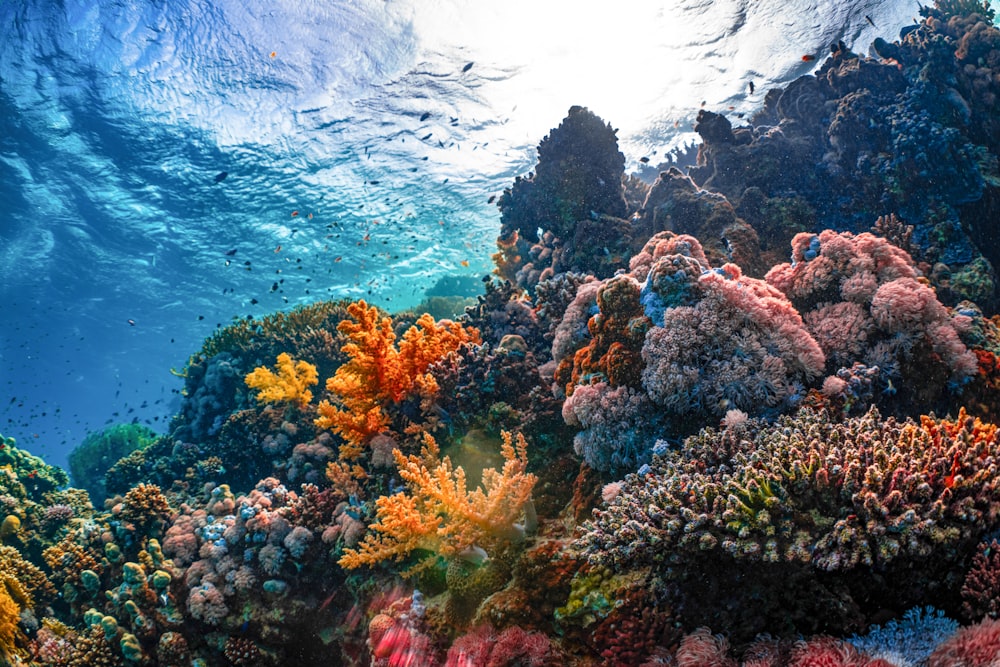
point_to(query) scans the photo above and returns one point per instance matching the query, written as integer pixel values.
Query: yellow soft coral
(439, 514)
(379, 373)
(290, 383)
(11, 598)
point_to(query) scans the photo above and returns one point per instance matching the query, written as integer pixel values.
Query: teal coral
(91, 459)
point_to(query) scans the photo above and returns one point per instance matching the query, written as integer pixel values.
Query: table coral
(855, 497)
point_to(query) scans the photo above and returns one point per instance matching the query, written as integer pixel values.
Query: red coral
(981, 589)
(703, 649)
(514, 646)
(617, 333)
(975, 645)
(828, 652)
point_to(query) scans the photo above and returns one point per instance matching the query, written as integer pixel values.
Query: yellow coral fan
(290, 383)
(379, 374)
(439, 513)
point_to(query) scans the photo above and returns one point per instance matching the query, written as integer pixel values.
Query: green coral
(92, 458)
(26, 475)
(278, 332)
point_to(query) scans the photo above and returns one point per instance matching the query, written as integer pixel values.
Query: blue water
(360, 153)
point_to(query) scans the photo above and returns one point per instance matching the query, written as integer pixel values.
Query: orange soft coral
(290, 383)
(379, 373)
(10, 615)
(440, 514)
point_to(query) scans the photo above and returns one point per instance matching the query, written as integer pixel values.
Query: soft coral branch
(439, 513)
(379, 373)
(290, 383)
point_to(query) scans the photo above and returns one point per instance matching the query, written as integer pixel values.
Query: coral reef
(854, 506)
(91, 459)
(862, 300)
(722, 415)
(672, 344)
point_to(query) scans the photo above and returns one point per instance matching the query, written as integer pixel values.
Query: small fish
(644, 160)
(492, 199)
(230, 253)
(337, 258)
(131, 322)
(808, 58)
(374, 182)
(221, 176)
(295, 213)
(201, 317)
(424, 116)
(467, 67)
(464, 263)
(426, 136)
(277, 250)
(274, 54)
(33, 473)
(752, 87)
(327, 601)
(869, 19)
(254, 302)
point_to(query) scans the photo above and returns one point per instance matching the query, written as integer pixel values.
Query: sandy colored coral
(439, 513)
(36, 584)
(10, 611)
(380, 373)
(291, 383)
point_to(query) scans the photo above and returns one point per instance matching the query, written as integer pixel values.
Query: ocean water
(174, 171)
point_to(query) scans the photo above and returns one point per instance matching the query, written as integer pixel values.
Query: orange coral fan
(378, 373)
(10, 616)
(290, 383)
(440, 514)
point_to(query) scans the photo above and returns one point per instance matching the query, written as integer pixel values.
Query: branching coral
(864, 492)
(439, 513)
(380, 373)
(291, 383)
